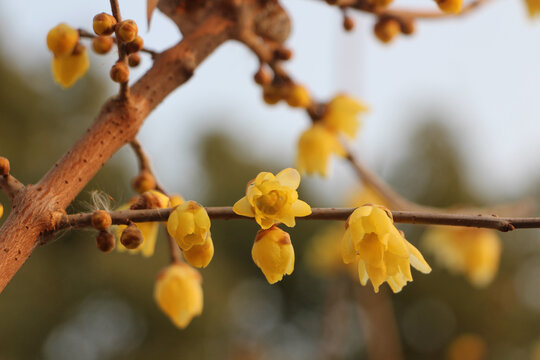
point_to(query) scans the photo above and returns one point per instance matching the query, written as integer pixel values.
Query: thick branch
(408, 217)
(38, 208)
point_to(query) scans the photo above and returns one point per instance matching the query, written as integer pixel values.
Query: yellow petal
(68, 69)
(243, 207)
(300, 208)
(289, 177)
(417, 260)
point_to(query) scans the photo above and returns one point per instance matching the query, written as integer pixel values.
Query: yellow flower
(315, 147)
(68, 69)
(149, 230)
(189, 225)
(62, 39)
(298, 96)
(533, 6)
(342, 115)
(273, 199)
(469, 251)
(273, 253)
(383, 254)
(200, 255)
(179, 294)
(450, 6)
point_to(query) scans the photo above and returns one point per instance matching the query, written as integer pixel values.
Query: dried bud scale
(131, 237)
(101, 220)
(127, 31)
(102, 44)
(105, 241)
(119, 72)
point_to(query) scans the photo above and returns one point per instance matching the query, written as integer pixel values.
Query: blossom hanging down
(273, 253)
(179, 294)
(469, 251)
(315, 147)
(341, 115)
(382, 253)
(273, 199)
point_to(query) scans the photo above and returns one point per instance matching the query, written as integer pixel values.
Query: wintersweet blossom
(533, 7)
(315, 147)
(179, 294)
(273, 253)
(341, 115)
(273, 199)
(189, 225)
(469, 251)
(382, 253)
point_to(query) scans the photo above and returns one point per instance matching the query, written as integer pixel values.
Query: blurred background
(453, 120)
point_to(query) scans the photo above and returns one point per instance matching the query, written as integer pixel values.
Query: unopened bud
(263, 76)
(120, 72)
(298, 96)
(104, 24)
(102, 44)
(127, 31)
(62, 39)
(386, 29)
(101, 220)
(4, 166)
(105, 241)
(135, 45)
(407, 27)
(271, 95)
(131, 237)
(145, 181)
(134, 59)
(283, 54)
(348, 23)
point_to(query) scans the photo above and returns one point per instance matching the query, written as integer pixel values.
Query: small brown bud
(283, 53)
(271, 95)
(131, 237)
(144, 182)
(263, 76)
(105, 241)
(127, 31)
(102, 44)
(119, 72)
(78, 49)
(4, 166)
(348, 23)
(101, 220)
(134, 59)
(407, 27)
(386, 29)
(104, 24)
(135, 45)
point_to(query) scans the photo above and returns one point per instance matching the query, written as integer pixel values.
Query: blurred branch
(144, 163)
(226, 213)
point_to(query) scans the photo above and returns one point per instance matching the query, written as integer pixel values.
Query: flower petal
(289, 177)
(243, 207)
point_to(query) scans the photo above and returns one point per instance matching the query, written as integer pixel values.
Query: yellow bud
(104, 24)
(450, 6)
(386, 29)
(298, 96)
(135, 45)
(175, 200)
(119, 72)
(102, 44)
(101, 220)
(62, 39)
(189, 225)
(127, 31)
(4, 166)
(131, 237)
(1, 210)
(105, 241)
(200, 255)
(179, 294)
(145, 181)
(134, 60)
(68, 69)
(273, 253)
(380, 3)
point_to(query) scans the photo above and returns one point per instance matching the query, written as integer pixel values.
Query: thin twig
(174, 250)
(226, 213)
(144, 162)
(86, 34)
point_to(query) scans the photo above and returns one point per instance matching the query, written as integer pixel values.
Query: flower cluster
(70, 58)
(381, 251)
(319, 142)
(272, 200)
(469, 251)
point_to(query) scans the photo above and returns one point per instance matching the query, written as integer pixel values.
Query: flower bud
(131, 237)
(102, 44)
(283, 54)
(104, 24)
(154, 200)
(348, 23)
(101, 220)
(61, 40)
(145, 181)
(407, 26)
(134, 59)
(4, 166)
(1, 210)
(135, 45)
(262, 77)
(127, 31)
(119, 72)
(200, 255)
(273, 253)
(271, 95)
(175, 200)
(105, 241)
(386, 29)
(189, 225)
(298, 96)
(450, 6)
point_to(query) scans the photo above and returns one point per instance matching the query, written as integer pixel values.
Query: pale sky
(482, 70)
